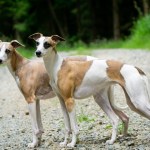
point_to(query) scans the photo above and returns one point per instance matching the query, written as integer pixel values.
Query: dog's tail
(147, 86)
(112, 101)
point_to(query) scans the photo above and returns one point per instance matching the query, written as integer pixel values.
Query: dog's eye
(47, 45)
(7, 51)
(37, 43)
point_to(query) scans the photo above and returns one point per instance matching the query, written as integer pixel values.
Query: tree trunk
(116, 24)
(146, 7)
(55, 18)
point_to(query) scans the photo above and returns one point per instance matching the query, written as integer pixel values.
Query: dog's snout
(38, 53)
(1, 61)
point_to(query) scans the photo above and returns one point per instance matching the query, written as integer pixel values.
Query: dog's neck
(15, 63)
(53, 63)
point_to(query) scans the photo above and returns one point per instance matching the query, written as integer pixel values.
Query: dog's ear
(57, 38)
(35, 36)
(16, 44)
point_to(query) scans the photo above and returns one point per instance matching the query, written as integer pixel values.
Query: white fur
(3, 55)
(94, 80)
(40, 46)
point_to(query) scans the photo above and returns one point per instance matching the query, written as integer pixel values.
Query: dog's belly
(86, 91)
(45, 92)
(83, 92)
(51, 94)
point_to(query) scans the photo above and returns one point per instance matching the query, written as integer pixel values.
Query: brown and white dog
(85, 78)
(32, 80)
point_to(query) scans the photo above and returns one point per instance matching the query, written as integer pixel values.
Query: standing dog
(32, 80)
(83, 79)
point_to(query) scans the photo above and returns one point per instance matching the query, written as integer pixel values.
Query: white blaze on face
(3, 55)
(40, 46)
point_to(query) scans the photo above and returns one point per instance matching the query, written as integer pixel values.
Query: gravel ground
(95, 129)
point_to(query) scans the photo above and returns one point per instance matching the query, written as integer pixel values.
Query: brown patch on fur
(113, 71)
(69, 104)
(140, 71)
(17, 60)
(71, 76)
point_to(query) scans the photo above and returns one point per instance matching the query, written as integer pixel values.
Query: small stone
(13, 116)
(43, 140)
(130, 143)
(48, 143)
(27, 113)
(23, 130)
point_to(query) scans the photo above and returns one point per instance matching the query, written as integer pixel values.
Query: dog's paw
(110, 142)
(71, 145)
(32, 145)
(63, 144)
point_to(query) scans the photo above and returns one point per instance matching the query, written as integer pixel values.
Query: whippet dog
(32, 80)
(83, 79)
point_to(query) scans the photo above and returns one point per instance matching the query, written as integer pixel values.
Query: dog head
(44, 43)
(7, 49)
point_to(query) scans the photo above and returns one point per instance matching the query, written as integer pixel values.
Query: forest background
(85, 24)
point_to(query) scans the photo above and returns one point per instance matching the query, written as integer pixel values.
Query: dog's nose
(38, 53)
(0, 61)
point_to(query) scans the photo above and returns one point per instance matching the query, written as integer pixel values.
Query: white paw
(32, 145)
(71, 145)
(63, 144)
(110, 142)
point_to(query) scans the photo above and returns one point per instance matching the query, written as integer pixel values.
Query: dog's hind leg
(121, 115)
(142, 108)
(136, 89)
(102, 100)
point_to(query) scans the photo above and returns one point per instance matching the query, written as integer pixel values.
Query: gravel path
(95, 129)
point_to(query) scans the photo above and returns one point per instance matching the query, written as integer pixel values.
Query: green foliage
(85, 118)
(28, 53)
(120, 128)
(109, 126)
(140, 37)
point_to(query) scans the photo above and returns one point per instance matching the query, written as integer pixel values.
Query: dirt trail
(95, 129)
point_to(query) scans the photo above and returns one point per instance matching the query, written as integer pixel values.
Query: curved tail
(147, 86)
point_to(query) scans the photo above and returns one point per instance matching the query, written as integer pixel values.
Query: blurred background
(83, 23)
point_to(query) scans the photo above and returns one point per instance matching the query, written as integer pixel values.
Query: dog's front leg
(66, 122)
(70, 104)
(39, 121)
(36, 135)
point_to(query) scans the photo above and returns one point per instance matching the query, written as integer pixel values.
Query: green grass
(85, 118)
(26, 52)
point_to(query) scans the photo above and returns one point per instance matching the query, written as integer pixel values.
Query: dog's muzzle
(38, 54)
(1, 61)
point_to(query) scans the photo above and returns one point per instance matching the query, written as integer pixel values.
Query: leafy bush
(140, 37)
